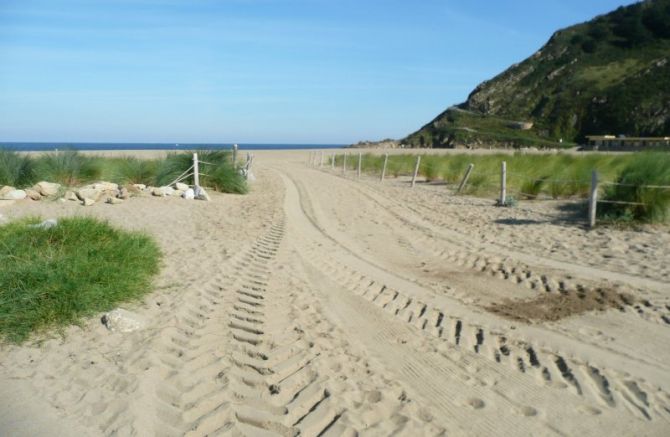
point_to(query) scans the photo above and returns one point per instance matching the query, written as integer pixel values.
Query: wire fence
(507, 187)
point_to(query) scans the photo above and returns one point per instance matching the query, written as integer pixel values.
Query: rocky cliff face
(608, 76)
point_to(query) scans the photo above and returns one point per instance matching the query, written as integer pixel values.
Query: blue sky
(256, 71)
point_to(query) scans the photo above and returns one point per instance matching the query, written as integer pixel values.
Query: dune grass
(71, 168)
(52, 278)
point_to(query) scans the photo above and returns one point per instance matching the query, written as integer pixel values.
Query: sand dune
(320, 305)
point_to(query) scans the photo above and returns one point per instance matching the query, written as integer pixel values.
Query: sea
(54, 146)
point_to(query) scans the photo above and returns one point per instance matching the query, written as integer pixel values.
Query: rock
(105, 186)
(140, 187)
(113, 200)
(120, 320)
(123, 193)
(201, 194)
(6, 189)
(188, 194)
(181, 186)
(87, 202)
(15, 195)
(162, 191)
(89, 193)
(32, 194)
(46, 224)
(46, 189)
(177, 193)
(69, 195)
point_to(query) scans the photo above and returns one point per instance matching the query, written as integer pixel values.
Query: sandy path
(318, 305)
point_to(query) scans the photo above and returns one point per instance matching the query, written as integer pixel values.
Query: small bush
(54, 277)
(15, 169)
(68, 168)
(131, 170)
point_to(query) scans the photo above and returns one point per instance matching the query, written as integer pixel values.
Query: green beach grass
(51, 278)
(555, 176)
(71, 168)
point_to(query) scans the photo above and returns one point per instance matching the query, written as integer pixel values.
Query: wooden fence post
(196, 170)
(503, 183)
(386, 160)
(465, 178)
(360, 158)
(593, 199)
(234, 156)
(332, 161)
(416, 170)
(344, 164)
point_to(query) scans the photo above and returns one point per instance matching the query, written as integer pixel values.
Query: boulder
(177, 193)
(123, 193)
(113, 200)
(46, 189)
(201, 194)
(87, 201)
(89, 192)
(180, 186)
(32, 194)
(120, 320)
(105, 186)
(15, 195)
(162, 191)
(188, 194)
(69, 195)
(6, 189)
(140, 186)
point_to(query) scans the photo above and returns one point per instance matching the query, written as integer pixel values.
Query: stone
(123, 193)
(124, 321)
(6, 189)
(69, 195)
(15, 195)
(106, 186)
(188, 194)
(32, 194)
(162, 191)
(177, 193)
(46, 189)
(113, 200)
(201, 194)
(140, 187)
(87, 201)
(46, 224)
(89, 193)
(180, 186)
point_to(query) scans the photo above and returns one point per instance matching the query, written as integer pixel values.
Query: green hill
(610, 75)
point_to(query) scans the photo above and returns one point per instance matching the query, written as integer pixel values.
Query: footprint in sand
(475, 403)
(526, 411)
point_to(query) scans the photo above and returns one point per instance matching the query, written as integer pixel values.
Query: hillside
(610, 75)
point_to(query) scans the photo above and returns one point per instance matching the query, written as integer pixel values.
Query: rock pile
(100, 192)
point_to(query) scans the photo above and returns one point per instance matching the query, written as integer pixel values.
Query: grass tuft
(68, 168)
(15, 169)
(54, 277)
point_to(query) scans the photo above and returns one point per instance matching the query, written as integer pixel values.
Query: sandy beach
(319, 304)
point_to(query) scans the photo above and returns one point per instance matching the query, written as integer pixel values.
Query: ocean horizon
(55, 146)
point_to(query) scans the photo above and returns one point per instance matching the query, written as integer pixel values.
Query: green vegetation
(606, 76)
(71, 168)
(555, 176)
(642, 181)
(54, 277)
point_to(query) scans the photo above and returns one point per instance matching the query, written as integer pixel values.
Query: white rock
(181, 186)
(15, 195)
(106, 186)
(46, 188)
(201, 194)
(33, 194)
(140, 186)
(87, 201)
(6, 189)
(113, 200)
(89, 193)
(46, 224)
(69, 195)
(189, 194)
(120, 320)
(162, 191)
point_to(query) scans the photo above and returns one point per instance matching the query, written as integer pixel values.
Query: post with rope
(503, 183)
(465, 178)
(360, 158)
(386, 160)
(416, 170)
(196, 171)
(234, 156)
(593, 199)
(332, 161)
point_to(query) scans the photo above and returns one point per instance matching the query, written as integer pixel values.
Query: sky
(256, 71)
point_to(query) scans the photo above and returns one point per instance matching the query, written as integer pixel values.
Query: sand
(323, 305)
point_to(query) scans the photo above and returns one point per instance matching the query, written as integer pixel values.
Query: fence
(505, 183)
